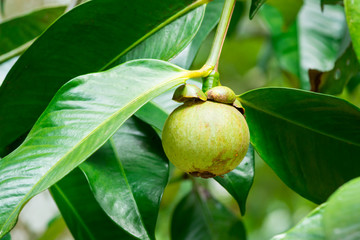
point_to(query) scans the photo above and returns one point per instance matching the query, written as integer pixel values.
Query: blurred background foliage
(250, 59)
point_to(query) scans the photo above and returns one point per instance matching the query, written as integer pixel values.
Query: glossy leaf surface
(341, 215)
(168, 41)
(308, 135)
(17, 34)
(199, 216)
(239, 181)
(309, 228)
(76, 50)
(352, 10)
(81, 117)
(81, 212)
(128, 176)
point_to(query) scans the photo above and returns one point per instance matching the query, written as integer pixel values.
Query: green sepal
(188, 92)
(221, 94)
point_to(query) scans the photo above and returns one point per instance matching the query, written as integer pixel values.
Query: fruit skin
(205, 139)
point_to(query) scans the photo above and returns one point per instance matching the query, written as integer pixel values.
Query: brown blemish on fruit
(205, 174)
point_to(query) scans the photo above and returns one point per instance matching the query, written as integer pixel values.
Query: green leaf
(352, 10)
(168, 41)
(302, 135)
(341, 215)
(81, 212)
(334, 81)
(81, 117)
(75, 50)
(309, 228)
(211, 19)
(153, 114)
(6, 237)
(199, 216)
(128, 176)
(18, 34)
(312, 42)
(239, 181)
(255, 6)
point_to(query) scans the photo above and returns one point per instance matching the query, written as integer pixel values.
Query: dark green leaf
(6, 237)
(128, 176)
(211, 18)
(81, 117)
(334, 81)
(352, 9)
(199, 216)
(17, 34)
(89, 38)
(341, 215)
(81, 212)
(168, 41)
(239, 181)
(255, 6)
(302, 135)
(309, 228)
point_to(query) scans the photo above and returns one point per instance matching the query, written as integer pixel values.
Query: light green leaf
(309, 228)
(128, 176)
(81, 117)
(17, 34)
(89, 38)
(352, 10)
(153, 114)
(341, 215)
(302, 135)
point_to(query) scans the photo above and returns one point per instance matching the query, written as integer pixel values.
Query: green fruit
(205, 139)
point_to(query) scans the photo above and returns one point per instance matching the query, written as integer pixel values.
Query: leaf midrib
(298, 123)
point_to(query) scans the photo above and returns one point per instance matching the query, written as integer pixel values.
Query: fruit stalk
(220, 35)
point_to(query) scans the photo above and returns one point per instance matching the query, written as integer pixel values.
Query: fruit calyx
(222, 94)
(188, 92)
